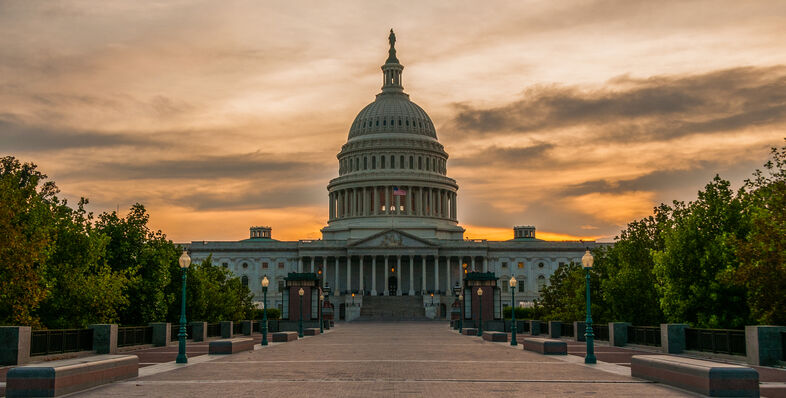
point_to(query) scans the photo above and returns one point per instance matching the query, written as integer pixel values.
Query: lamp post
(480, 312)
(461, 311)
(513, 330)
(586, 261)
(184, 262)
(321, 299)
(300, 323)
(432, 299)
(265, 284)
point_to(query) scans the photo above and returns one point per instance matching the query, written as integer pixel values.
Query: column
(436, 273)
(324, 269)
(373, 275)
(398, 204)
(336, 288)
(312, 265)
(398, 272)
(409, 202)
(420, 201)
(385, 290)
(300, 264)
(472, 260)
(349, 274)
(423, 282)
(485, 264)
(448, 284)
(330, 205)
(461, 272)
(411, 275)
(362, 287)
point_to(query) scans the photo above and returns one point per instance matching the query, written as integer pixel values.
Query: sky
(574, 116)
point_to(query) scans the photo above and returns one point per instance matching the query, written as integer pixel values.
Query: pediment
(392, 239)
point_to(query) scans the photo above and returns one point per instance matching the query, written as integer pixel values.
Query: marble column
(300, 264)
(436, 274)
(312, 265)
(336, 287)
(375, 199)
(423, 281)
(387, 200)
(385, 290)
(411, 276)
(349, 274)
(472, 260)
(399, 280)
(324, 269)
(362, 287)
(373, 275)
(448, 284)
(485, 264)
(420, 201)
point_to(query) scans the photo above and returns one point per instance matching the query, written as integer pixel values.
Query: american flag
(399, 192)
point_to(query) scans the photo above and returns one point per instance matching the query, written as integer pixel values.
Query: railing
(724, 341)
(45, 342)
(601, 332)
(134, 335)
(213, 330)
(237, 328)
(644, 335)
(566, 329)
(173, 334)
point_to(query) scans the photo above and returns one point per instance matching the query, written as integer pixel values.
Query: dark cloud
(510, 156)
(262, 194)
(653, 109)
(15, 136)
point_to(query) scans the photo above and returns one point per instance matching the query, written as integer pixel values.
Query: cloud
(18, 136)
(630, 109)
(507, 156)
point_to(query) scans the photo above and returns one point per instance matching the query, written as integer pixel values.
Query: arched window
(365, 162)
(411, 163)
(244, 281)
(382, 162)
(401, 161)
(373, 163)
(392, 161)
(541, 282)
(420, 163)
(428, 165)
(357, 164)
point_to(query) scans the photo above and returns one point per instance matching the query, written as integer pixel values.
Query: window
(374, 163)
(280, 265)
(357, 164)
(540, 265)
(264, 265)
(225, 265)
(504, 264)
(411, 162)
(561, 264)
(385, 122)
(245, 265)
(244, 281)
(392, 162)
(382, 162)
(280, 286)
(365, 163)
(401, 161)
(504, 285)
(541, 282)
(521, 287)
(420, 163)
(521, 264)
(399, 122)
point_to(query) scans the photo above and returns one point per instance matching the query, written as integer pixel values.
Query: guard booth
(309, 282)
(491, 297)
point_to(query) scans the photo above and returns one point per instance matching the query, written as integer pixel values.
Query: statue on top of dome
(392, 38)
(392, 52)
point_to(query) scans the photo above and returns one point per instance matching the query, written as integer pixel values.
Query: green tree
(696, 261)
(25, 241)
(564, 297)
(145, 257)
(762, 253)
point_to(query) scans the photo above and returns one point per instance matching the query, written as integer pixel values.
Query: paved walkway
(385, 359)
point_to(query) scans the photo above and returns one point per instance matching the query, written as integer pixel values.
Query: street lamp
(265, 283)
(432, 299)
(480, 312)
(586, 261)
(461, 311)
(184, 262)
(300, 323)
(513, 284)
(321, 299)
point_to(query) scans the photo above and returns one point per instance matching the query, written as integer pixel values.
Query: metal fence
(237, 328)
(724, 341)
(783, 346)
(644, 335)
(173, 334)
(213, 330)
(566, 329)
(601, 332)
(134, 335)
(45, 342)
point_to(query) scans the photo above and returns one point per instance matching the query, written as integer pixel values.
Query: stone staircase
(392, 308)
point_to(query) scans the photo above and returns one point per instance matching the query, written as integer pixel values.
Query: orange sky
(576, 117)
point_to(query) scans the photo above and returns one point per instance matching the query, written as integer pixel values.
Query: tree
(696, 261)
(564, 297)
(25, 241)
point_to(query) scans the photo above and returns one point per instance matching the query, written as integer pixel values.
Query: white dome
(392, 113)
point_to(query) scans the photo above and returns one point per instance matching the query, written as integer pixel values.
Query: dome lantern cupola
(391, 71)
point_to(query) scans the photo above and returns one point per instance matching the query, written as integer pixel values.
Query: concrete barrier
(66, 376)
(283, 337)
(704, 377)
(545, 346)
(231, 346)
(162, 334)
(469, 332)
(14, 345)
(311, 332)
(495, 336)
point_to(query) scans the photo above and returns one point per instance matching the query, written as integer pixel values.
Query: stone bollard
(555, 329)
(618, 333)
(198, 331)
(162, 333)
(104, 338)
(534, 327)
(14, 345)
(226, 329)
(248, 327)
(763, 344)
(579, 329)
(672, 337)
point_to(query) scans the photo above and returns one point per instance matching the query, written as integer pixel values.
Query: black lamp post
(300, 323)
(265, 283)
(461, 311)
(586, 261)
(319, 310)
(480, 312)
(184, 262)
(513, 330)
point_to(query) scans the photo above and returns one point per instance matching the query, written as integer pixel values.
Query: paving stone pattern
(385, 359)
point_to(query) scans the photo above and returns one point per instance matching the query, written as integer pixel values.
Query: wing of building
(392, 225)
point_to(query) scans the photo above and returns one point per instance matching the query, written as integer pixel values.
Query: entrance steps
(392, 308)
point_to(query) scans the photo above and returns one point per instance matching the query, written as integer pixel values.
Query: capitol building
(392, 226)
